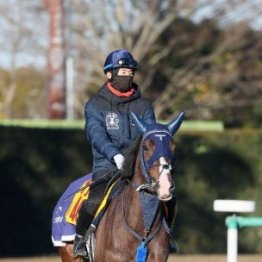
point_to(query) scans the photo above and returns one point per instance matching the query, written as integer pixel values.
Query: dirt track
(173, 258)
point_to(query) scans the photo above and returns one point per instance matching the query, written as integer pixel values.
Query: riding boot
(85, 217)
(170, 219)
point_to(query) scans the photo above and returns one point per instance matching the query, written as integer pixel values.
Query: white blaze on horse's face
(164, 181)
(158, 156)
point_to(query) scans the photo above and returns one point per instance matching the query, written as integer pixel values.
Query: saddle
(113, 189)
(82, 194)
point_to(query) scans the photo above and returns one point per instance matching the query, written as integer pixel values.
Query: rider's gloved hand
(119, 160)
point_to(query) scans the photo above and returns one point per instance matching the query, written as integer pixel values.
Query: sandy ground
(173, 258)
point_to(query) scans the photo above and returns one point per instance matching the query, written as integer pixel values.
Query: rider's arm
(96, 132)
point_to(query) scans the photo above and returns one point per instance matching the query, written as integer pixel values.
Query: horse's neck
(132, 206)
(132, 203)
(138, 177)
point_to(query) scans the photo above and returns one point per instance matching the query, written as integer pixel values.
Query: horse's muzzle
(165, 190)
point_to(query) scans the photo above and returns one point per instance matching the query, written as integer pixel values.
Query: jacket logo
(112, 121)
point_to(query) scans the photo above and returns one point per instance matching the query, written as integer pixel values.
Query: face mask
(122, 83)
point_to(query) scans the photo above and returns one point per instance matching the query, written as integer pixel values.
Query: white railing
(235, 222)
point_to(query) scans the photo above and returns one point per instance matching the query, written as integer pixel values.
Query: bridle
(160, 137)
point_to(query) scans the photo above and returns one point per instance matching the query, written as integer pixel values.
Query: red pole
(56, 61)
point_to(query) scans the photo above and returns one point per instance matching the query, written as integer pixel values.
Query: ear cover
(140, 124)
(175, 124)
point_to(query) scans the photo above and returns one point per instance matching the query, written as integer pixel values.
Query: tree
(191, 52)
(22, 42)
(213, 85)
(178, 52)
(97, 28)
(29, 98)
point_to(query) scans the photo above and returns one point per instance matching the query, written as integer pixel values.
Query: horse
(133, 227)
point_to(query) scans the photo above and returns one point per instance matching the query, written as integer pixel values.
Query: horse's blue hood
(161, 135)
(171, 127)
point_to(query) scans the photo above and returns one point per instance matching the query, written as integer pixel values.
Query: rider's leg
(89, 207)
(86, 216)
(170, 218)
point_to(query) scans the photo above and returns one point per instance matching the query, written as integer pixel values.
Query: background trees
(199, 56)
(23, 42)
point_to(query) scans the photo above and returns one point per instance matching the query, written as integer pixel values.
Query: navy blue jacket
(109, 127)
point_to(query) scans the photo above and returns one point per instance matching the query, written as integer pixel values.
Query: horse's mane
(129, 164)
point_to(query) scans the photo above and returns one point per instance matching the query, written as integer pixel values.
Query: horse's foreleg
(66, 254)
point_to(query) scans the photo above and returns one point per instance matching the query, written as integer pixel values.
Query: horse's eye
(145, 147)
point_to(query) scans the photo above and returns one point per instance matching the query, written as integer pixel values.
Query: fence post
(232, 222)
(232, 238)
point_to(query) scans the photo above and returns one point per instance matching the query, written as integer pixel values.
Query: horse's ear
(141, 126)
(174, 125)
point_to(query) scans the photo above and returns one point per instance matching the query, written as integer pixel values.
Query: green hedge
(36, 166)
(213, 166)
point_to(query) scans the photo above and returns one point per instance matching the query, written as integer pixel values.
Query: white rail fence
(235, 222)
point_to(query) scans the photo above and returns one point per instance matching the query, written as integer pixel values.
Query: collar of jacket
(105, 93)
(118, 93)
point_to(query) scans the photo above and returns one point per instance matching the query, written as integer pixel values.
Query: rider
(110, 131)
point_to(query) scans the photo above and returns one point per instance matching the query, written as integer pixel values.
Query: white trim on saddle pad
(68, 238)
(64, 240)
(62, 230)
(57, 243)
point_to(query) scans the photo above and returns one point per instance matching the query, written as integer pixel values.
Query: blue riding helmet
(119, 59)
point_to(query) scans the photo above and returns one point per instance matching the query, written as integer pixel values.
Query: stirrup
(79, 248)
(90, 242)
(173, 245)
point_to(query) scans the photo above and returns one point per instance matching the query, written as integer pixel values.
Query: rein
(147, 191)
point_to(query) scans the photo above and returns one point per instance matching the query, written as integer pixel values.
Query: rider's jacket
(109, 126)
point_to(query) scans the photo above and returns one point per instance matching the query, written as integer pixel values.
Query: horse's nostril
(172, 188)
